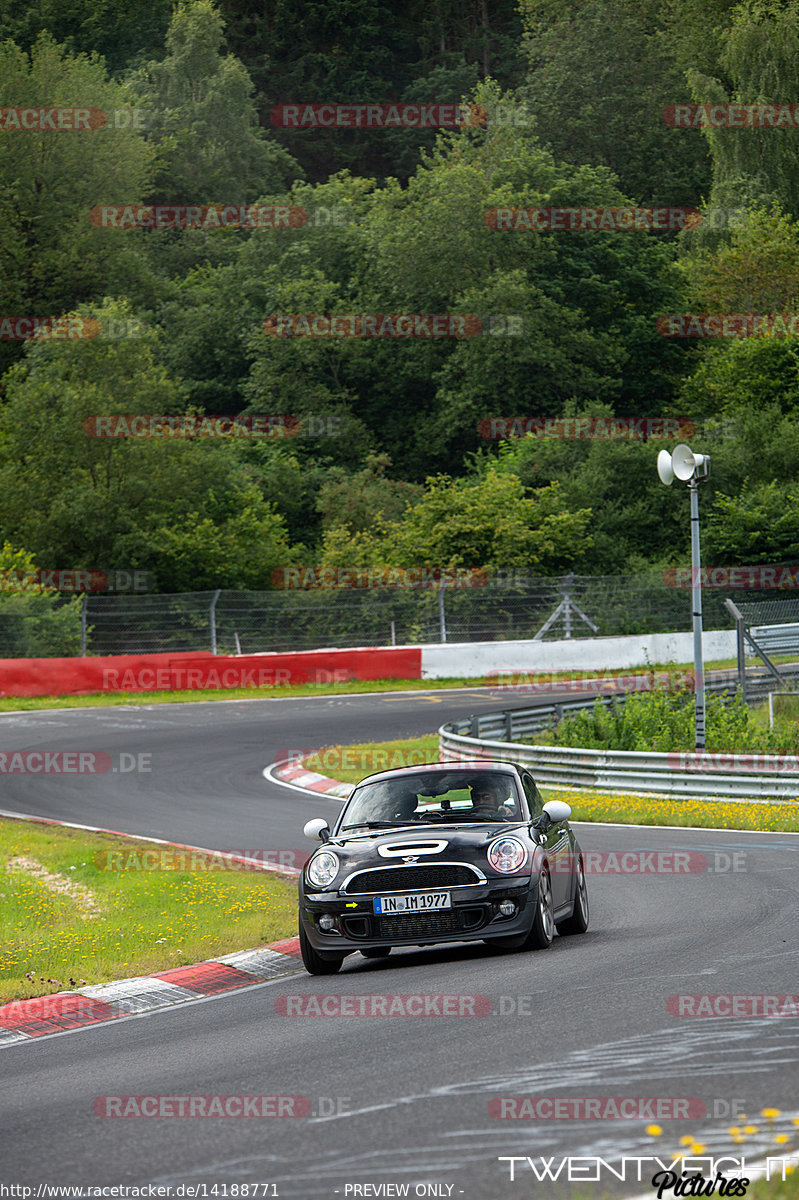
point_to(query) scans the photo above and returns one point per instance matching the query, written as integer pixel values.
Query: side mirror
(318, 830)
(554, 812)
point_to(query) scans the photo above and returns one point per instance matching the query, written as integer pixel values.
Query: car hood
(434, 843)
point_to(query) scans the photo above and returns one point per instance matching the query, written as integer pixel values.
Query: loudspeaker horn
(683, 462)
(664, 467)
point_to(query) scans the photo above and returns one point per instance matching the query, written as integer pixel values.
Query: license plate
(414, 902)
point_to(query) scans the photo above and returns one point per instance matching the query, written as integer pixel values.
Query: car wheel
(377, 952)
(316, 963)
(578, 921)
(542, 930)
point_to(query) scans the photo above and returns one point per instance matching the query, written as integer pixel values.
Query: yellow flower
(769, 1113)
(654, 1130)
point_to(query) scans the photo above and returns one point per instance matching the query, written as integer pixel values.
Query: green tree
(51, 255)
(203, 119)
(759, 64)
(190, 511)
(489, 521)
(755, 271)
(356, 499)
(34, 621)
(601, 73)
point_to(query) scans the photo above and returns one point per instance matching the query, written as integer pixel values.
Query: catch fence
(248, 622)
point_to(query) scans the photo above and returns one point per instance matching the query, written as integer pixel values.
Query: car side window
(533, 795)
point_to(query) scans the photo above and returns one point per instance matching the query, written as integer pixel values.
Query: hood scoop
(402, 849)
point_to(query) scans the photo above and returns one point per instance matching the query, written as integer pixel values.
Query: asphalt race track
(403, 1102)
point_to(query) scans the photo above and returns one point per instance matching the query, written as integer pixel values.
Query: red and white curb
(298, 777)
(21, 1020)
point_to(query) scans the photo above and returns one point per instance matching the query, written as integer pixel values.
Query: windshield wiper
(370, 825)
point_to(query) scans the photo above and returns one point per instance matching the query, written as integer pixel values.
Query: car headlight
(506, 855)
(323, 868)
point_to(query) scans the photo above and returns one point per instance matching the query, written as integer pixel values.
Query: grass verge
(65, 921)
(351, 763)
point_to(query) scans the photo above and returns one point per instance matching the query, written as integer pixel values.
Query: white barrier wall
(474, 659)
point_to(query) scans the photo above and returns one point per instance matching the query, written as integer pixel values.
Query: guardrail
(768, 778)
(777, 639)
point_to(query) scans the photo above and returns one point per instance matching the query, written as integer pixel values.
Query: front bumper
(474, 915)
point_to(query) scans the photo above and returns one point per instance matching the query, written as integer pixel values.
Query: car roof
(484, 765)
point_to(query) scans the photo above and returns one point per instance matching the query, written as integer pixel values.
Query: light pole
(683, 464)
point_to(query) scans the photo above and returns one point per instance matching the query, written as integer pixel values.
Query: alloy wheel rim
(582, 890)
(545, 906)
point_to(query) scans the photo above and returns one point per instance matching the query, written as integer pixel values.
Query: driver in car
(491, 795)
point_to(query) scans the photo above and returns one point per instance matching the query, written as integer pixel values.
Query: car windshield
(442, 797)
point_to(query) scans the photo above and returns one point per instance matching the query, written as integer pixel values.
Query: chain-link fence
(228, 622)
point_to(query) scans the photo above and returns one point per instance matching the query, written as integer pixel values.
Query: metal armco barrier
(765, 777)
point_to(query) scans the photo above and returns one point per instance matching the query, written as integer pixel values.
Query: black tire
(377, 952)
(542, 930)
(578, 921)
(316, 963)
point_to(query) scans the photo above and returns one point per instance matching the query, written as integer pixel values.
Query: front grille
(405, 879)
(428, 924)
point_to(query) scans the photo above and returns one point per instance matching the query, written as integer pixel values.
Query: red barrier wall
(167, 672)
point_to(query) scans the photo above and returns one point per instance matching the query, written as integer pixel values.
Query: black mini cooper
(446, 852)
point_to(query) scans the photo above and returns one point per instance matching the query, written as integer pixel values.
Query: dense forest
(216, 243)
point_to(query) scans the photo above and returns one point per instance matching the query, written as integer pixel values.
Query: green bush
(663, 720)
